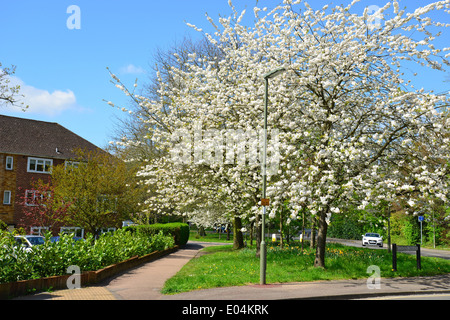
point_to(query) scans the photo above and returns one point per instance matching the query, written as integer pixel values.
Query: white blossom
(350, 123)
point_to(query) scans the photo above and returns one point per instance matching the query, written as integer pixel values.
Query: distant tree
(134, 127)
(101, 189)
(9, 95)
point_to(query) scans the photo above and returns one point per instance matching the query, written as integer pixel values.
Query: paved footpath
(146, 281)
(142, 283)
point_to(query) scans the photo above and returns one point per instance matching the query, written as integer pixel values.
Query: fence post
(394, 257)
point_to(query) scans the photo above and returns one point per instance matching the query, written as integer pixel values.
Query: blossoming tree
(350, 124)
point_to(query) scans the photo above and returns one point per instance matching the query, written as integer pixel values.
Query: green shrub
(3, 226)
(411, 230)
(53, 258)
(179, 231)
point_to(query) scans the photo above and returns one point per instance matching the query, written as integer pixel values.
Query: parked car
(56, 239)
(372, 239)
(27, 242)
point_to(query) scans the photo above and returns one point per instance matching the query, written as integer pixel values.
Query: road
(444, 254)
(439, 296)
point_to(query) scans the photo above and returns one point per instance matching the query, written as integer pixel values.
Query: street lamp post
(264, 201)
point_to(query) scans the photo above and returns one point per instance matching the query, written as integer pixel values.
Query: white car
(27, 242)
(372, 239)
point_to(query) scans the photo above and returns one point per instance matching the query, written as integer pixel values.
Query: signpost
(421, 218)
(396, 249)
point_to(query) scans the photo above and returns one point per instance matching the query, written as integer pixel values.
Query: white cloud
(44, 102)
(131, 69)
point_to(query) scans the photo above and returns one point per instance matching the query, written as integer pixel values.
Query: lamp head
(274, 73)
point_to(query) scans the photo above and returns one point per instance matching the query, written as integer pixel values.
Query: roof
(40, 139)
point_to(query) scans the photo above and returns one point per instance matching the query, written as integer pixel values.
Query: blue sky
(63, 71)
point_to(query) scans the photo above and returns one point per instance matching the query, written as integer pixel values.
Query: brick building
(28, 150)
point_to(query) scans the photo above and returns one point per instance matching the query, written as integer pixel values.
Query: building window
(106, 230)
(9, 163)
(75, 231)
(30, 197)
(38, 231)
(40, 165)
(71, 164)
(7, 197)
(34, 198)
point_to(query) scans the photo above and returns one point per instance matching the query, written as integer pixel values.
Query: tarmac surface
(146, 281)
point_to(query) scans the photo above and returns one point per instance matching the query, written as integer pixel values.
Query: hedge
(53, 258)
(179, 231)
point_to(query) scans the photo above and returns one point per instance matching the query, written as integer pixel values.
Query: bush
(345, 228)
(53, 258)
(411, 230)
(179, 231)
(3, 226)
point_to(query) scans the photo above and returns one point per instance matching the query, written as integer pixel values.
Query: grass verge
(227, 267)
(210, 237)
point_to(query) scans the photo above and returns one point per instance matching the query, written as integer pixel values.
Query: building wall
(7, 182)
(25, 181)
(17, 180)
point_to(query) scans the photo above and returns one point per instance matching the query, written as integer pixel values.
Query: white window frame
(38, 231)
(71, 164)
(9, 165)
(7, 197)
(35, 194)
(106, 230)
(76, 231)
(43, 163)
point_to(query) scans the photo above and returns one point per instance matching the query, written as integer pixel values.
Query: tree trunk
(303, 228)
(252, 231)
(321, 240)
(238, 239)
(312, 243)
(201, 231)
(281, 229)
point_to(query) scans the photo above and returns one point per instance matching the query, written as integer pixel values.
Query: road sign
(421, 218)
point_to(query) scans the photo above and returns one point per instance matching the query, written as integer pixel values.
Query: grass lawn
(227, 267)
(210, 237)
